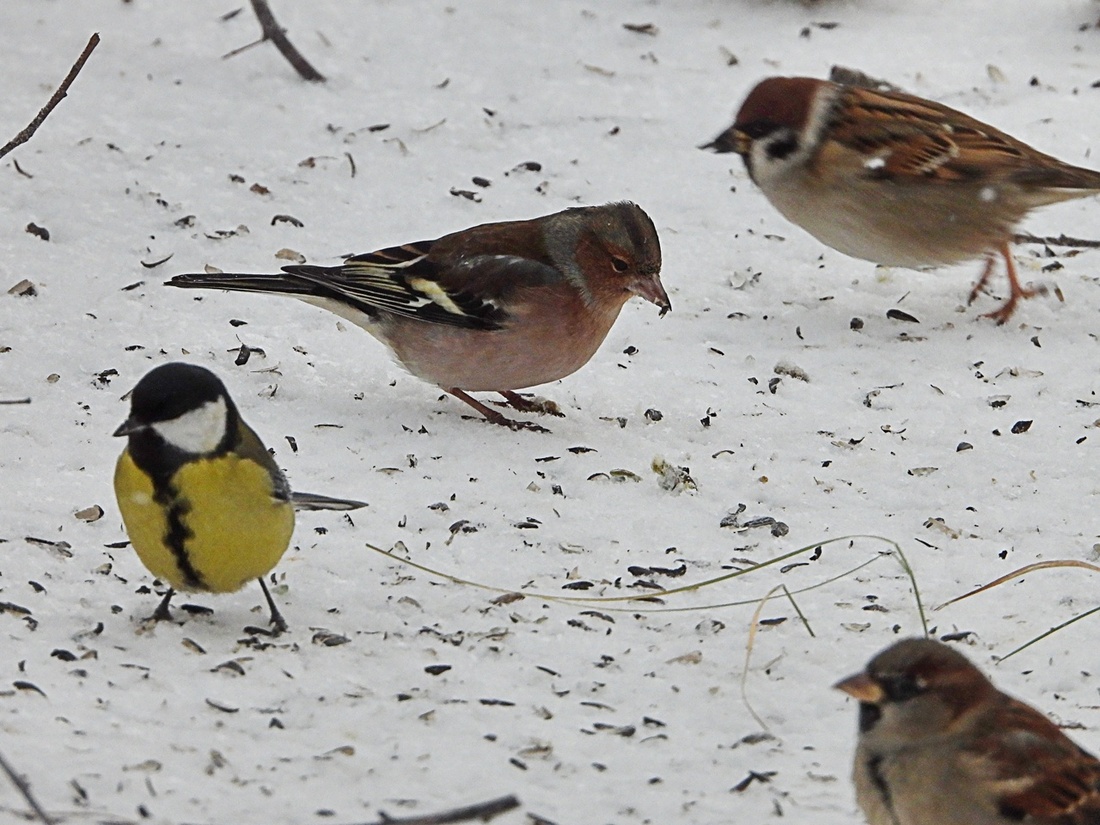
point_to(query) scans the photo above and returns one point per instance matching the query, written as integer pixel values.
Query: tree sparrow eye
(781, 147)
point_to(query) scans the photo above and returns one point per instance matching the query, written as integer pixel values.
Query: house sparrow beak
(862, 688)
(731, 140)
(653, 291)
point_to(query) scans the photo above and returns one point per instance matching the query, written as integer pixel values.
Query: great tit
(205, 505)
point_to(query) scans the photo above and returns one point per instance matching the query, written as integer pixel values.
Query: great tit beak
(129, 427)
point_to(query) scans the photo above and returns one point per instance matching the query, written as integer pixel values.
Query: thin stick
(62, 90)
(481, 810)
(24, 789)
(1061, 240)
(273, 32)
(904, 562)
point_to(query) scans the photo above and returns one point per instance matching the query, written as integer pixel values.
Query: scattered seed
(90, 514)
(221, 707)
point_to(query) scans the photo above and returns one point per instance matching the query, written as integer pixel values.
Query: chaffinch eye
(620, 265)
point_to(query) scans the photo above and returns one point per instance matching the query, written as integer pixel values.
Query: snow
(589, 712)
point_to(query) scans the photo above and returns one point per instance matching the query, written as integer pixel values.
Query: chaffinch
(496, 307)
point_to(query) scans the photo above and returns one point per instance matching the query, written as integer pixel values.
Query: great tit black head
(183, 407)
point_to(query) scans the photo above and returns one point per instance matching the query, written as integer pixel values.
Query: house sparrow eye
(620, 265)
(902, 687)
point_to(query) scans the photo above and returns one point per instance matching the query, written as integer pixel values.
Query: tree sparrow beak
(731, 140)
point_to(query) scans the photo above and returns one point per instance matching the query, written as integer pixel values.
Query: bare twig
(25, 789)
(1061, 240)
(273, 32)
(14, 401)
(62, 90)
(482, 810)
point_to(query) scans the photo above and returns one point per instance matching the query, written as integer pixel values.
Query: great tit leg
(278, 623)
(161, 614)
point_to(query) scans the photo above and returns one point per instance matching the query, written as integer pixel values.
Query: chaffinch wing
(497, 307)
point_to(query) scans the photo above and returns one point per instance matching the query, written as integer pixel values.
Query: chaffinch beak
(653, 291)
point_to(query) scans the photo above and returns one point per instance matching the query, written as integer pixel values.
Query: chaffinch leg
(542, 406)
(494, 417)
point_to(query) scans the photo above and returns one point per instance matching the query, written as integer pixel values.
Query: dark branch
(1061, 240)
(483, 811)
(62, 90)
(21, 783)
(273, 32)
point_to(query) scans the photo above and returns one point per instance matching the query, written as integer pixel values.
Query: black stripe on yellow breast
(178, 533)
(217, 523)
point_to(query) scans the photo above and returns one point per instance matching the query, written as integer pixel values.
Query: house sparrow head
(915, 690)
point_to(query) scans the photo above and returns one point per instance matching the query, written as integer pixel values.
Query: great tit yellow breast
(216, 525)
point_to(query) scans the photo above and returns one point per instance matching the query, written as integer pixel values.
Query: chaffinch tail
(496, 307)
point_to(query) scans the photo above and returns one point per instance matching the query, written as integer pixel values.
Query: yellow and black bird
(205, 505)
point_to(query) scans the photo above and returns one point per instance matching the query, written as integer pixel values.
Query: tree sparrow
(893, 178)
(497, 307)
(940, 745)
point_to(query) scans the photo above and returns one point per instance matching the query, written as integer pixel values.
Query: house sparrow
(940, 745)
(497, 307)
(893, 178)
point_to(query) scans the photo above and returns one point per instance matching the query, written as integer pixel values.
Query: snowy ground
(589, 715)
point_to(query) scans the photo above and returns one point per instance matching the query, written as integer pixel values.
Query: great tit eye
(620, 265)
